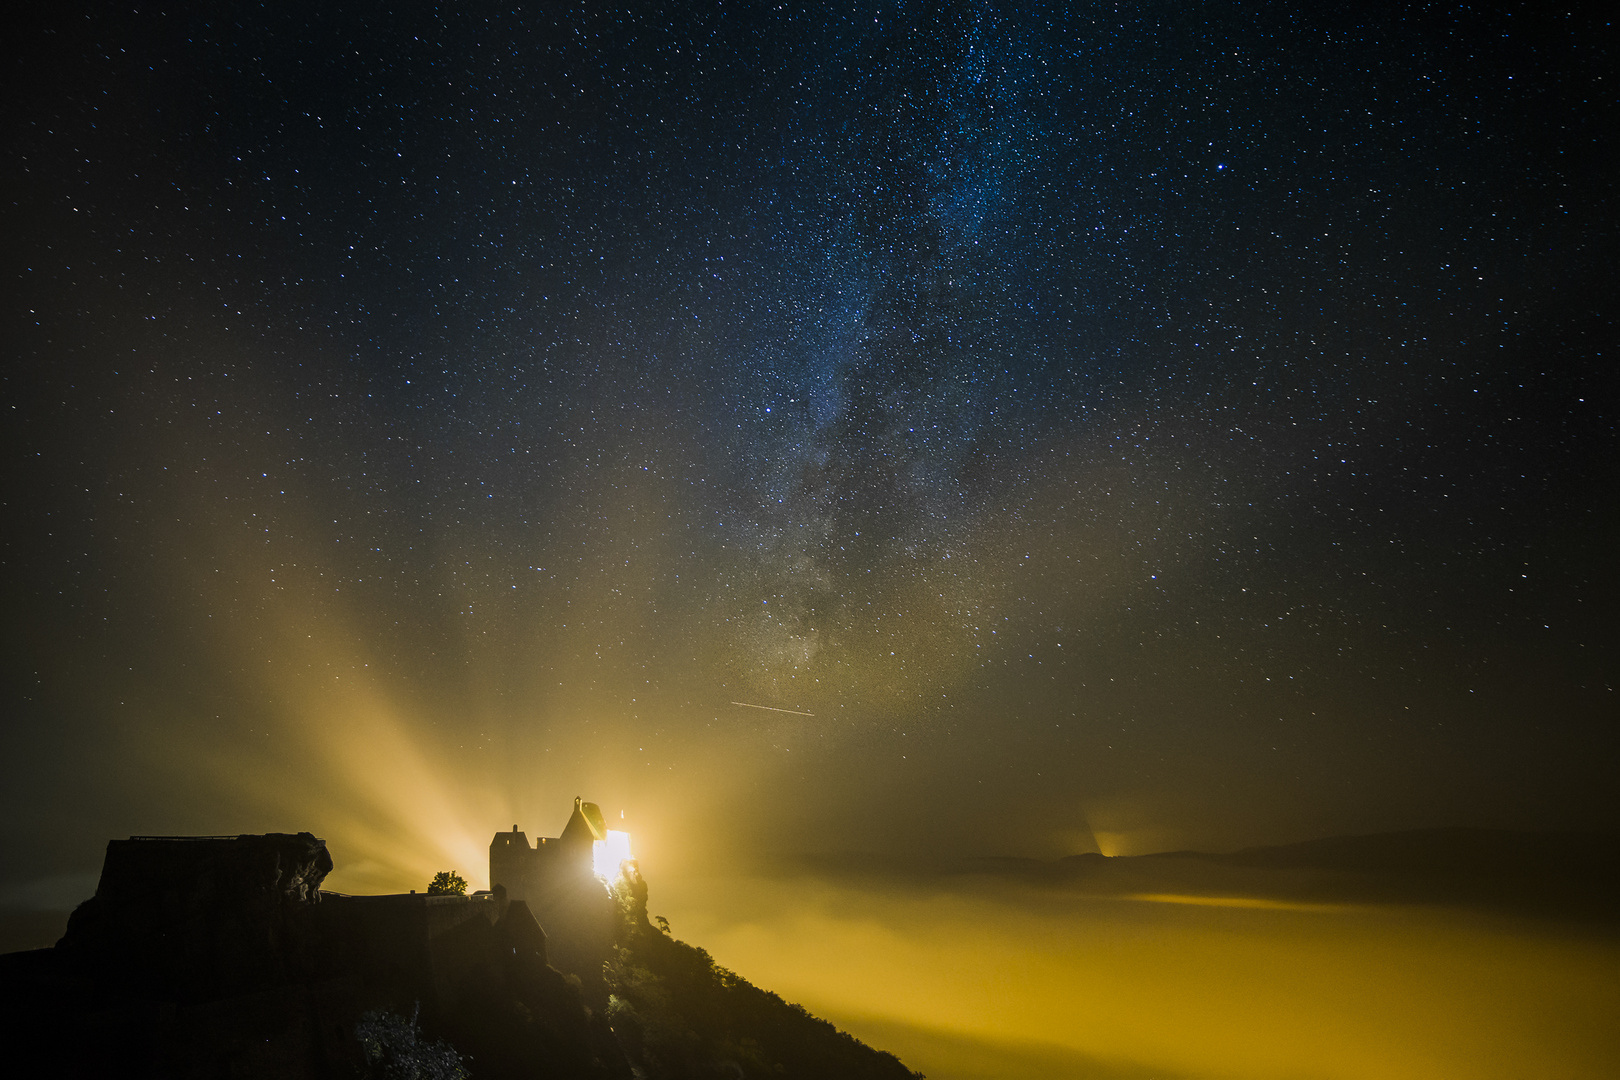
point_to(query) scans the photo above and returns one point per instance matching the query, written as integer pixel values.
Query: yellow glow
(606, 855)
(1018, 983)
(1257, 902)
(324, 712)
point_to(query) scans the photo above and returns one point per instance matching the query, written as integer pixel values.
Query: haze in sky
(1093, 428)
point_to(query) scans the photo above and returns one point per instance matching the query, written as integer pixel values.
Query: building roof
(585, 824)
(514, 838)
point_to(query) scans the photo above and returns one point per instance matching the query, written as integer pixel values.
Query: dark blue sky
(1200, 415)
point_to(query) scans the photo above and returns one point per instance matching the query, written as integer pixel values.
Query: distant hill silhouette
(1455, 852)
(1550, 875)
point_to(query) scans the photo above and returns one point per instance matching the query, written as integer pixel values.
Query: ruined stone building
(525, 871)
(557, 879)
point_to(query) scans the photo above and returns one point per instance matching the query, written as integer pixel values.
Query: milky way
(1181, 421)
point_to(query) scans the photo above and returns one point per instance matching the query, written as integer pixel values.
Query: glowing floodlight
(606, 855)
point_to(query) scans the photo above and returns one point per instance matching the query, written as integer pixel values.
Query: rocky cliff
(220, 956)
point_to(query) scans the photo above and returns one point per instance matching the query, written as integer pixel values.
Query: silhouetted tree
(447, 883)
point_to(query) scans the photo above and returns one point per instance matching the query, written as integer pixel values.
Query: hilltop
(212, 956)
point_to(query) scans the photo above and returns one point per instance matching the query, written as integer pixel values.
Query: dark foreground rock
(221, 957)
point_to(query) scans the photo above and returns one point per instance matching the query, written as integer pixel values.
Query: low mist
(986, 976)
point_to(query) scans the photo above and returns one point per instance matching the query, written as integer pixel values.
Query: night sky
(1117, 427)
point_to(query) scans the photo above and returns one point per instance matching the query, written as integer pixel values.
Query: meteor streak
(769, 708)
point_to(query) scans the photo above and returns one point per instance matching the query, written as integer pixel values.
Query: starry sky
(1099, 427)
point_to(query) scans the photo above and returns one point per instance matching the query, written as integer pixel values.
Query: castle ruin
(560, 882)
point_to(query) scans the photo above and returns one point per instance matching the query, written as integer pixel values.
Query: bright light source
(606, 855)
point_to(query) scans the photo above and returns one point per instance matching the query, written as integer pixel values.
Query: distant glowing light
(606, 855)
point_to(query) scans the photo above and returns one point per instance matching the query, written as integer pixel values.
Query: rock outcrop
(220, 956)
(198, 918)
(215, 957)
